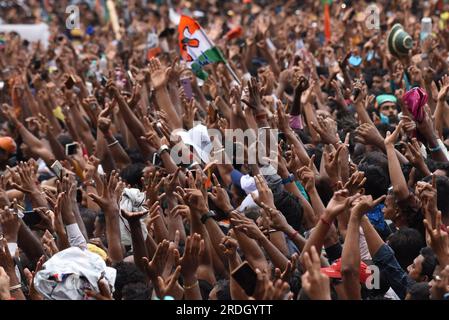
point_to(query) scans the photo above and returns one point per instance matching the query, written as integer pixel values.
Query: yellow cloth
(57, 112)
(95, 249)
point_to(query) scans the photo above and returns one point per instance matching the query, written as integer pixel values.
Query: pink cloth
(296, 122)
(415, 100)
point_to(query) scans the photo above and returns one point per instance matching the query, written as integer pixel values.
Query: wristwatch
(163, 148)
(210, 214)
(290, 178)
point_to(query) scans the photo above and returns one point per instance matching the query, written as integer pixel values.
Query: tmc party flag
(196, 48)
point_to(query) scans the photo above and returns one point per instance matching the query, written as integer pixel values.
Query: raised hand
(277, 219)
(10, 223)
(190, 110)
(133, 216)
(355, 183)
(331, 163)
(367, 133)
(265, 194)
(159, 75)
(104, 291)
(155, 267)
(267, 290)
(167, 287)
(391, 138)
(152, 188)
(314, 283)
(194, 198)
(444, 88)
(108, 200)
(6, 261)
(220, 197)
(151, 136)
(307, 175)
(361, 205)
(91, 167)
(291, 266)
(4, 285)
(248, 227)
(438, 239)
(24, 178)
(339, 203)
(49, 244)
(229, 246)
(193, 251)
(254, 100)
(33, 293)
(327, 129)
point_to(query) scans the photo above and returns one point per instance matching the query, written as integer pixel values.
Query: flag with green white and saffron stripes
(196, 48)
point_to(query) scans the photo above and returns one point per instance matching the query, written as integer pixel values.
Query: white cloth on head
(68, 273)
(132, 200)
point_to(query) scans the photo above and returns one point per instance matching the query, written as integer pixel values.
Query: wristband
(208, 215)
(17, 286)
(163, 148)
(113, 143)
(289, 179)
(436, 149)
(191, 286)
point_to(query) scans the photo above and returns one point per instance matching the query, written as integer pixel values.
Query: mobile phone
(187, 86)
(156, 160)
(71, 148)
(31, 218)
(57, 169)
(70, 82)
(90, 87)
(246, 277)
(130, 76)
(104, 81)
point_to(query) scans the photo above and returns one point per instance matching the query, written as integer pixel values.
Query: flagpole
(231, 71)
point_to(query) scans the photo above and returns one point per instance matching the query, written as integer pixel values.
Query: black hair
(406, 244)
(290, 207)
(101, 218)
(442, 192)
(64, 139)
(324, 189)
(419, 291)
(377, 179)
(429, 263)
(127, 273)
(317, 151)
(132, 174)
(136, 291)
(88, 216)
(437, 165)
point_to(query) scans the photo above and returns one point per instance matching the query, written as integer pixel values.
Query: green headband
(381, 99)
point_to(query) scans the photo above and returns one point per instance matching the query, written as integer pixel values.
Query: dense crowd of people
(100, 199)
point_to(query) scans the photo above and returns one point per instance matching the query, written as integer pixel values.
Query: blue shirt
(399, 280)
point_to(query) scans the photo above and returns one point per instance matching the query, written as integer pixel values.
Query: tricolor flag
(196, 48)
